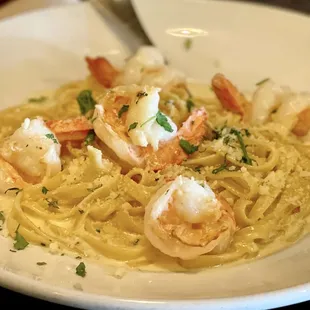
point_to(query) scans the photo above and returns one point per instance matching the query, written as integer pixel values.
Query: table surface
(15, 7)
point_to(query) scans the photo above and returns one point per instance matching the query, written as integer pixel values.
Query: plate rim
(53, 293)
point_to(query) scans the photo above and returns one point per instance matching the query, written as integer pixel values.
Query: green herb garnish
(80, 270)
(44, 190)
(86, 101)
(136, 241)
(52, 137)
(188, 43)
(41, 263)
(150, 119)
(187, 147)
(20, 242)
(37, 100)
(140, 95)
(90, 137)
(245, 158)
(162, 120)
(18, 190)
(262, 81)
(132, 126)
(189, 104)
(123, 109)
(221, 167)
(53, 203)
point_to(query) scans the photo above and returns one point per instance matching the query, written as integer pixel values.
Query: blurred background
(13, 7)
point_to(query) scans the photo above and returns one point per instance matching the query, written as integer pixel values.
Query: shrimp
(102, 70)
(9, 177)
(302, 126)
(229, 96)
(146, 67)
(185, 219)
(129, 122)
(32, 150)
(193, 130)
(75, 129)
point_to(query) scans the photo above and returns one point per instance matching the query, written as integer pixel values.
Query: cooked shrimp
(293, 113)
(129, 122)
(229, 96)
(193, 130)
(302, 126)
(185, 219)
(9, 177)
(146, 67)
(102, 71)
(267, 97)
(75, 129)
(33, 150)
(126, 121)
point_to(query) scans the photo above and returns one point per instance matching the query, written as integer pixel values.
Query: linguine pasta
(95, 206)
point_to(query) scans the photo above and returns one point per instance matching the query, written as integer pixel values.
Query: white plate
(49, 47)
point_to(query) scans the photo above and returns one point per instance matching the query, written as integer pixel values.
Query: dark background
(10, 299)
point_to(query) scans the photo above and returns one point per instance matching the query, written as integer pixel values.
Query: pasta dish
(132, 166)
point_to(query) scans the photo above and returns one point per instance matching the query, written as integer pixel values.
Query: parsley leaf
(189, 104)
(44, 190)
(188, 43)
(140, 95)
(123, 109)
(136, 241)
(41, 263)
(245, 158)
(37, 100)
(86, 101)
(132, 126)
(90, 137)
(52, 137)
(187, 147)
(262, 81)
(80, 270)
(221, 167)
(52, 202)
(20, 242)
(2, 218)
(162, 120)
(18, 190)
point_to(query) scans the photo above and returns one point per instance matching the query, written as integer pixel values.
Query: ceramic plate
(240, 41)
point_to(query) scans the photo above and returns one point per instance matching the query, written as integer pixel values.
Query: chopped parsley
(53, 203)
(132, 126)
(52, 137)
(86, 101)
(94, 188)
(37, 100)
(81, 211)
(136, 241)
(44, 190)
(123, 109)
(18, 190)
(20, 242)
(189, 104)
(188, 43)
(140, 95)
(90, 137)
(162, 120)
(262, 81)
(41, 263)
(2, 218)
(98, 230)
(187, 147)
(245, 158)
(197, 169)
(80, 270)
(220, 168)
(247, 133)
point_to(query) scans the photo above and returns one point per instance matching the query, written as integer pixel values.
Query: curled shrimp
(146, 67)
(70, 130)
(129, 122)
(9, 177)
(185, 219)
(229, 96)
